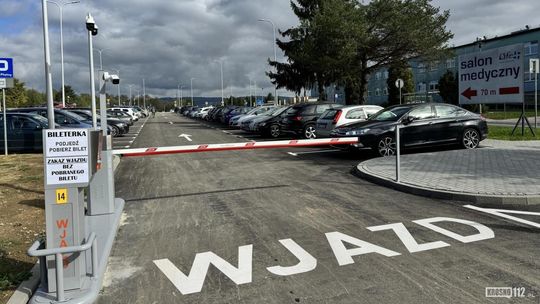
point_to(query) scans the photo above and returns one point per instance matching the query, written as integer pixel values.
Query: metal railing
(35, 251)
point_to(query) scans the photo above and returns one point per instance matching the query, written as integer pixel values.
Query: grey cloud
(168, 42)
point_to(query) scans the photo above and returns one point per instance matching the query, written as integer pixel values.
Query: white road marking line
(502, 213)
(186, 136)
(311, 152)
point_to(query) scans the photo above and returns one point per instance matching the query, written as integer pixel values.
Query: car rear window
(329, 114)
(356, 114)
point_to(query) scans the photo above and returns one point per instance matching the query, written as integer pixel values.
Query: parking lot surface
(295, 226)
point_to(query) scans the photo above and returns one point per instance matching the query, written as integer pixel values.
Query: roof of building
(526, 30)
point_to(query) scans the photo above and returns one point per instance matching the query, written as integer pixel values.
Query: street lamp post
(222, 94)
(144, 93)
(61, 8)
(192, 91)
(130, 99)
(180, 87)
(92, 31)
(275, 54)
(48, 75)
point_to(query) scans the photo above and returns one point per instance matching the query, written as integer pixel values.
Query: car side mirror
(39, 127)
(407, 120)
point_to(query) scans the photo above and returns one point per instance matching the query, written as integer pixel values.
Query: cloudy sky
(169, 42)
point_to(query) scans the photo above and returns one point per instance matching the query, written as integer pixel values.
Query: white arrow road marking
(311, 152)
(186, 136)
(503, 213)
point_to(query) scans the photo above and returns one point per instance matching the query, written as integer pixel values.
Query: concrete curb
(26, 289)
(362, 171)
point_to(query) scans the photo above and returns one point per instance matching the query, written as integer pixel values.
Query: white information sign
(66, 156)
(3, 83)
(492, 76)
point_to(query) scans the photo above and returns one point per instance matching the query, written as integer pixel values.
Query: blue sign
(260, 101)
(6, 67)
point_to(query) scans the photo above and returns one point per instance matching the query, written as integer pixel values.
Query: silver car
(333, 118)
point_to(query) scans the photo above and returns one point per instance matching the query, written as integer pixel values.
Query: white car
(203, 112)
(333, 118)
(133, 114)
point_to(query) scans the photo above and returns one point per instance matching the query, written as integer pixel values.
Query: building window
(434, 66)
(368, 93)
(433, 86)
(529, 76)
(385, 74)
(421, 68)
(377, 92)
(385, 91)
(421, 87)
(378, 75)
(531, 48)
(451, 63)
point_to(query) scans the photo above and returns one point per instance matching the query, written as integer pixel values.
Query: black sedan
(118, 126)
(24, 132)
(421, 125)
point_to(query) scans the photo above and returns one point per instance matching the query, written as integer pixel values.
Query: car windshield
(279, 111)
(73, 116)
(42, 120)
(392, 114)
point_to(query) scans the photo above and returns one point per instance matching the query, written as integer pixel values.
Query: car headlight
(357, 132)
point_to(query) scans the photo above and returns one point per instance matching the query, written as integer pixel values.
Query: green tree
(399, 70)
(449, 88)
(35, 98)
(16, 96)
(300, 72)
(269, 97)
(398, 30)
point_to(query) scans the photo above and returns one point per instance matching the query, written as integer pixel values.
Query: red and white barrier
(236, 146)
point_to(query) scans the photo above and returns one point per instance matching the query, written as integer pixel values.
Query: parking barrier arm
(91, 243)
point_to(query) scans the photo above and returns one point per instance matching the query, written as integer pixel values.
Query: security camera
(91, 25)
(111, 77)
(115, 79)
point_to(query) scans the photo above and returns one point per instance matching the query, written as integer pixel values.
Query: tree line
(342, 42)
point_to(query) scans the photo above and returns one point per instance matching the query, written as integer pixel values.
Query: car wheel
(115, 131)
(309, 132)
(386, 146)
(274, 131)
(471, 138)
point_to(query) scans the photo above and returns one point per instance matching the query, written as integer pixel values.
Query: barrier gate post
(71, 157)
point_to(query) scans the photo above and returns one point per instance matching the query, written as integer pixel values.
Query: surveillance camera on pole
(91, 25)
(111, 77)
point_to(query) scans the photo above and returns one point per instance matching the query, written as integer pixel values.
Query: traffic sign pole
(5, 121)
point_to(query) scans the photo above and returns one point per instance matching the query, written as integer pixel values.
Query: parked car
(118, 126)
(236, 121)
(335, 117)
(125, 117)
(423, 125)
(63, 118)
(236, 112)
(270, 125)
(135, 115)
(225, 114)
(302, 118)
(24, 132)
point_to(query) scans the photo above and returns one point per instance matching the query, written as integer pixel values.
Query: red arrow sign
(468, 93)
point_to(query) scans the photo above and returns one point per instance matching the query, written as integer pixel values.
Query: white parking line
(503, 213)
(312, 152)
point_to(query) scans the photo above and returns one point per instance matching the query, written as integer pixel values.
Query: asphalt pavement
(291, 226)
